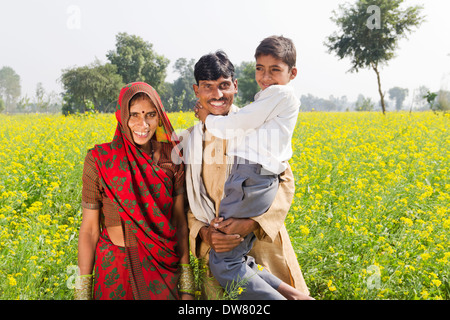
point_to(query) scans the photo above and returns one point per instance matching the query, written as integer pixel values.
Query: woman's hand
(185, 296)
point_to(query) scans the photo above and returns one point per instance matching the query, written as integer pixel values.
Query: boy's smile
(272, 71)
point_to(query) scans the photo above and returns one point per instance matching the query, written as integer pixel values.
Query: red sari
(146, 268)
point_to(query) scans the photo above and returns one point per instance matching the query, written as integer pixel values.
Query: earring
(160, 123)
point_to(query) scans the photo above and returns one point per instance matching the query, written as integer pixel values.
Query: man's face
(216, 95)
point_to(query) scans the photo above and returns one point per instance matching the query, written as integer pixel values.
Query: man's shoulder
(186, 132)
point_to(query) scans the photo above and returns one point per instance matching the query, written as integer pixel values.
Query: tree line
(366, 34)
(95, 87)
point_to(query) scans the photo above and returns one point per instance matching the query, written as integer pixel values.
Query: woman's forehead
(143, 105)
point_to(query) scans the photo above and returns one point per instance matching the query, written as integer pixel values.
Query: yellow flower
(425, 256)
(240, 290)
(304, 230)
(407, 221)
(330, 285)
(12, 282)
(436, 282)
(425, 294)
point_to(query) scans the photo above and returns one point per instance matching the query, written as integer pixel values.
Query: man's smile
(218, 103)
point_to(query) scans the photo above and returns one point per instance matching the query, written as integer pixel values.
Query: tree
(248, 87)
(419, 102)
(9, 87)
(444, 100)
(136, 61)
(42, 101)
(310, 102)
(95, 83)
(431, 97)
(370, 32)
(183, 95)
(2, 105)
(364, 104)
(442, 103)
(23, 104)
(398, 95)
(166, 94)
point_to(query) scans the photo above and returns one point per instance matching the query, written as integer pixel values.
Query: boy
(266, 126)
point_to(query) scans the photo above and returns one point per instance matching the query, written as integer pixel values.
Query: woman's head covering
(164, 132)
(142, 192)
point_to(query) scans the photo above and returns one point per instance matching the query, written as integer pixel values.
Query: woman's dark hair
(212, 66)
(138, 96)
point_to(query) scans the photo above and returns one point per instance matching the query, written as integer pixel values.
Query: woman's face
(143, 120)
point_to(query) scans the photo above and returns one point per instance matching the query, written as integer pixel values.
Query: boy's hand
(200, 112)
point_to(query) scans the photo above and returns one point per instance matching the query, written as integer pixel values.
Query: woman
(134, 232)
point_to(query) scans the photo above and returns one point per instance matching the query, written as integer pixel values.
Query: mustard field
(370, 217)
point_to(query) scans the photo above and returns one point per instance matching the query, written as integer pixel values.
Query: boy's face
(216, 95)
(272, 71)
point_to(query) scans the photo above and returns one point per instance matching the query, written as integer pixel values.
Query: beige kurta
(272, 249)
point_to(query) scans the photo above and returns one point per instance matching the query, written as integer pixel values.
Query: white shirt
(261, 132)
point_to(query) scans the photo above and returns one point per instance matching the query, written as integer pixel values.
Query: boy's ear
(294, 72)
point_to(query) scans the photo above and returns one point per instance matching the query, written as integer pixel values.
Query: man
(207, 168)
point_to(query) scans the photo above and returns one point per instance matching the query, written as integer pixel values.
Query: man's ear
(236, 85)
(195, 87)
(294, 72)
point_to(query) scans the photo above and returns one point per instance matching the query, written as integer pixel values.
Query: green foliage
(444, 100)
(370, 46)
(365, 46)
(23, 103)
(399, 95)
(364, 104)
(95, 83)
(183, 98)
(42, 100)
(9, 87)
(2, 105)
(430, 97)
(245, 73)
(136, 60)
(438, 101)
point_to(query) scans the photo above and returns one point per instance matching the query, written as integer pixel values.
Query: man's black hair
(212, 66)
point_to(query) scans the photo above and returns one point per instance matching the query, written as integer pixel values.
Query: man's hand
(200, 112)
(225, 235)
(236, 226)
(219, 241)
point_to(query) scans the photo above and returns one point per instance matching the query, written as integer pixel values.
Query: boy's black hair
(279, 47)
(212, 66)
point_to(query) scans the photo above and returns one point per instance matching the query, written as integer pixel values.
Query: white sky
(39, 38)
